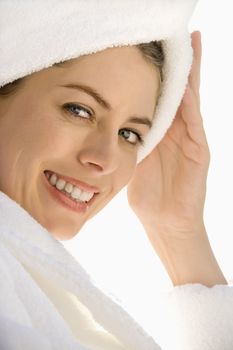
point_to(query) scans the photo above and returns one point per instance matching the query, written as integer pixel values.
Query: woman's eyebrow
(139, 120)
(92, 92)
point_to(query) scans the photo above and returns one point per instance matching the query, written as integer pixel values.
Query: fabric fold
(36, 249)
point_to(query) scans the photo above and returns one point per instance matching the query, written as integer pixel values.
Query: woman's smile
(69, 180)
(71, 193)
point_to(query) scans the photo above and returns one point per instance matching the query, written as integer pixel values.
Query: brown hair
(152, 51)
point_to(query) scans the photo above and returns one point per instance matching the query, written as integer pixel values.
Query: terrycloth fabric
(195, 317)
(201, 317)
(48, 301)
(34, 34)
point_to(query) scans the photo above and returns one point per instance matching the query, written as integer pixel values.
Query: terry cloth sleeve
(196, 317)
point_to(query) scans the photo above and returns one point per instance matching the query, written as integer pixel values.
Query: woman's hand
(169, 186)
(168, 189)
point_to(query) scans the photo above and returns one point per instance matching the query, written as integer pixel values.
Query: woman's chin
(63, 236)
(60, 227)
(63, 231)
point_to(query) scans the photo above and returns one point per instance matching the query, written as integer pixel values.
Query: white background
(113, 246)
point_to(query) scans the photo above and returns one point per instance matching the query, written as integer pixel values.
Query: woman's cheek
(126, 171)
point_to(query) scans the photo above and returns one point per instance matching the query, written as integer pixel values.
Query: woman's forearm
(189, 259)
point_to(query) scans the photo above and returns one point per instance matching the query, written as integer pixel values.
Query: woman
(73, 121)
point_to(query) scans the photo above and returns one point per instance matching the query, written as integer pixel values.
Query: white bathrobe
(49, 302)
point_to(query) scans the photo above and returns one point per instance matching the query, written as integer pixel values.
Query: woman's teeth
(69, 189)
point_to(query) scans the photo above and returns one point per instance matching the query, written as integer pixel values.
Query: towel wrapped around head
(36, 34)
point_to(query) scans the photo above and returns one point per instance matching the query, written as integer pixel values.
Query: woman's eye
(77, 110)
(131, 136)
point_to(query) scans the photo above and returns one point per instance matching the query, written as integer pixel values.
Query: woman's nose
(100, 154)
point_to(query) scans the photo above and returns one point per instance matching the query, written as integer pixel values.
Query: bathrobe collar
(34, 246)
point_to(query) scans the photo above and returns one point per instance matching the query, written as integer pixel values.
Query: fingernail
(199, 33)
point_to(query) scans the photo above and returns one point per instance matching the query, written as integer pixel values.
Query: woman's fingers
(192, 117)
(190, 105)
(194, 77)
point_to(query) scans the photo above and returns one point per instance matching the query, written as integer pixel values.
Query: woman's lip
(78, 207)
(83, 186)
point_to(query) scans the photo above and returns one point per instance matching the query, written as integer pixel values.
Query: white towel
(34, 34)
(36, 275)
(42, 287)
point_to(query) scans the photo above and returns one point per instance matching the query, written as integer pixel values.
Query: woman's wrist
(187, 259)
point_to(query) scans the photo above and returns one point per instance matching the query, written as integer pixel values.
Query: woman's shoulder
(11, 307)
(16, 328)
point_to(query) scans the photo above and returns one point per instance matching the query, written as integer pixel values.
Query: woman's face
(56, 136)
